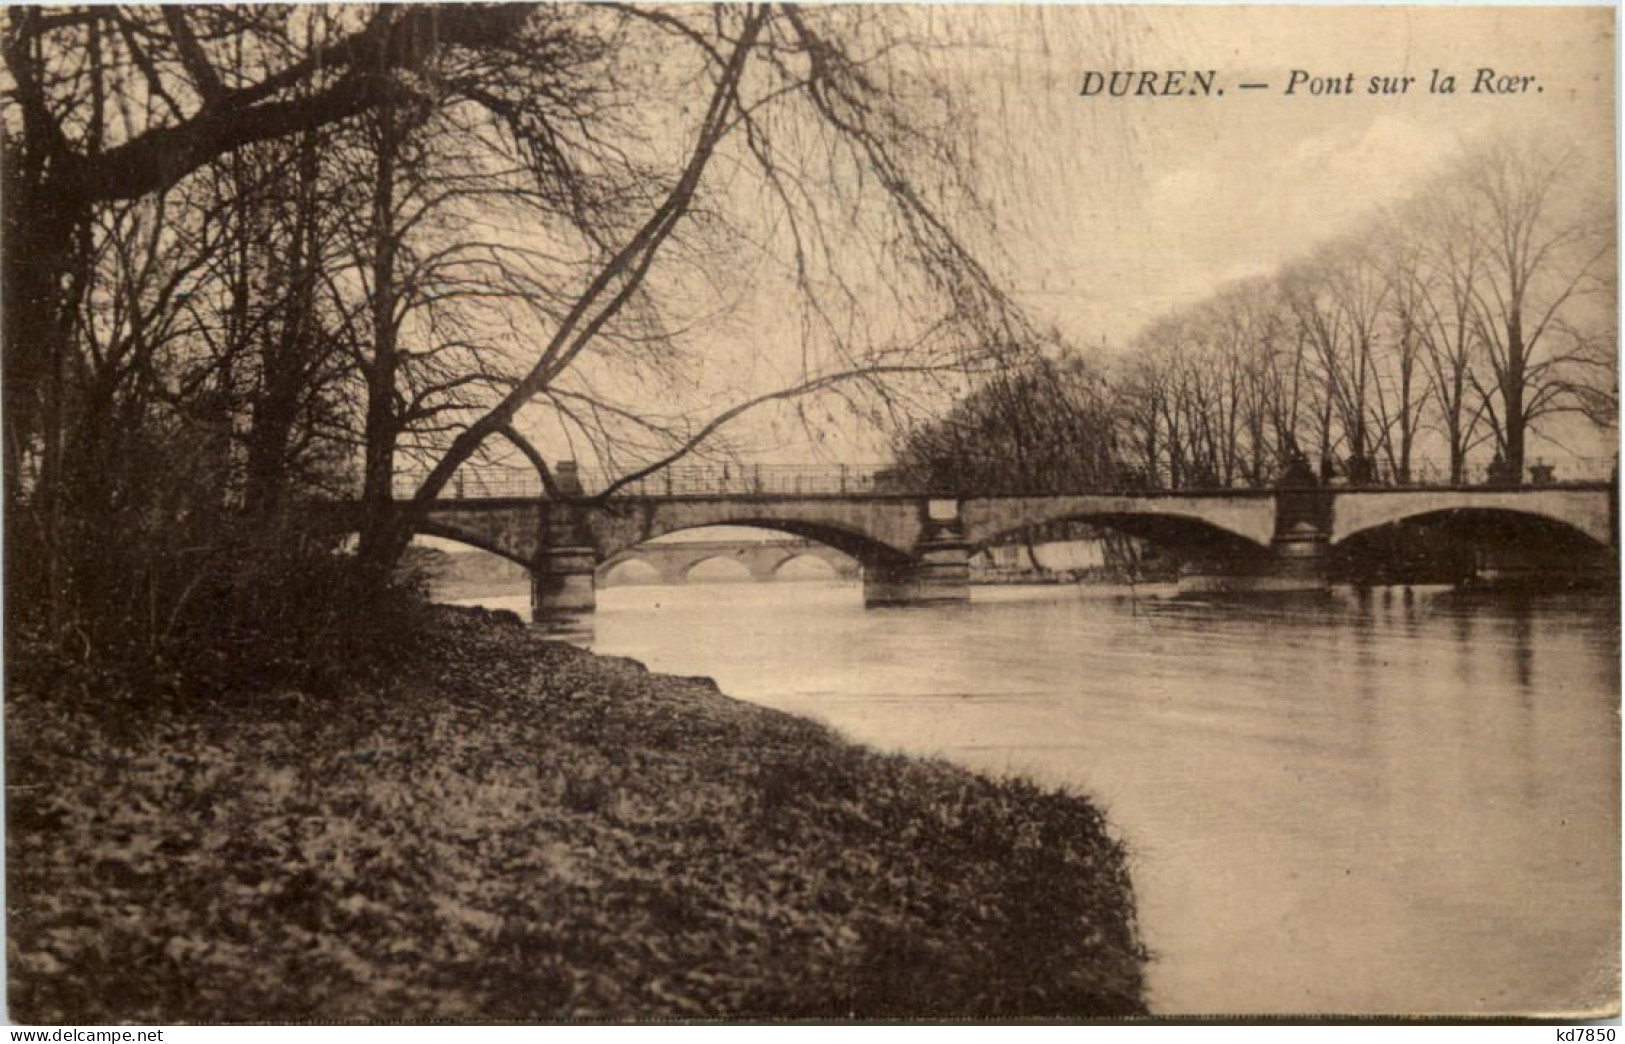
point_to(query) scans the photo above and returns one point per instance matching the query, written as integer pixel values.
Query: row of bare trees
(1460, 321)
(259, 255)
(1456, 323)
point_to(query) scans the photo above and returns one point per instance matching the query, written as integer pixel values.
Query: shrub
(219, 605)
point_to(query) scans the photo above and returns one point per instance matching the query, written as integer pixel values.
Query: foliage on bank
(512, 828)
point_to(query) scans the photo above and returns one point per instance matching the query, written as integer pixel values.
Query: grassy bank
(516, 829)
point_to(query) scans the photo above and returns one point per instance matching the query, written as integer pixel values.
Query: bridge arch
(731, 566)
(1491, 521)
(1583, 512)
(850, 540)
(647, 566)
(820, 568)
(478, 541)
(627, 569)
(1243, 526)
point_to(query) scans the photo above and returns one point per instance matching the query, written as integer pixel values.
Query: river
(1395, 800)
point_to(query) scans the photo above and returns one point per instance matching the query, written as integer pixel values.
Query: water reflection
(1402, 800)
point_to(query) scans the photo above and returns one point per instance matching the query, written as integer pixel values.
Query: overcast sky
(1121, 208)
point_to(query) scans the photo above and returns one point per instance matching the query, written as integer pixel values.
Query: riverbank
(512, 828)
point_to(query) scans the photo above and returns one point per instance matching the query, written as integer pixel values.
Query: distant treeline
(1444, 331)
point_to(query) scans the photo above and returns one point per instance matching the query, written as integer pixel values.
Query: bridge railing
(1539, 471)
(703, 480)
(870, 479)
(748, 480)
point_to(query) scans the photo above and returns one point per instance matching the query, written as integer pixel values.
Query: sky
(1126, 207)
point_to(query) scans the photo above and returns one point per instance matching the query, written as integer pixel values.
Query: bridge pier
(1289, 569)
(561, 583)
(939, 572)
(1298, 558)
(940, 575)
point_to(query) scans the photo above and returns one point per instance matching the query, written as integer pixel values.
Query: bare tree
(1339, 297)
(1543, 249)
(535, 197)
(1139, 391)
(1402, 388)
(1445, 265)
(770, 69)
(1472, 310)
(115, 104)
(1047, 427)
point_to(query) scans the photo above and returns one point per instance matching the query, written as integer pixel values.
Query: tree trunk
(287, 365)
(41, 284)
(1512, 398)
(380, 543)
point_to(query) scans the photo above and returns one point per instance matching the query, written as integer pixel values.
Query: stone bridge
(914, 548)
(673, 562)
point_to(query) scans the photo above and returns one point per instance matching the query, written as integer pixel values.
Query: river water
(1395, 800)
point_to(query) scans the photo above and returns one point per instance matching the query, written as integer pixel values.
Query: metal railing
(1429, 473)
(791, 480)
(677, 481)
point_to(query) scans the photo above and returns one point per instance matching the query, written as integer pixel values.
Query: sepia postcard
(554, 513)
